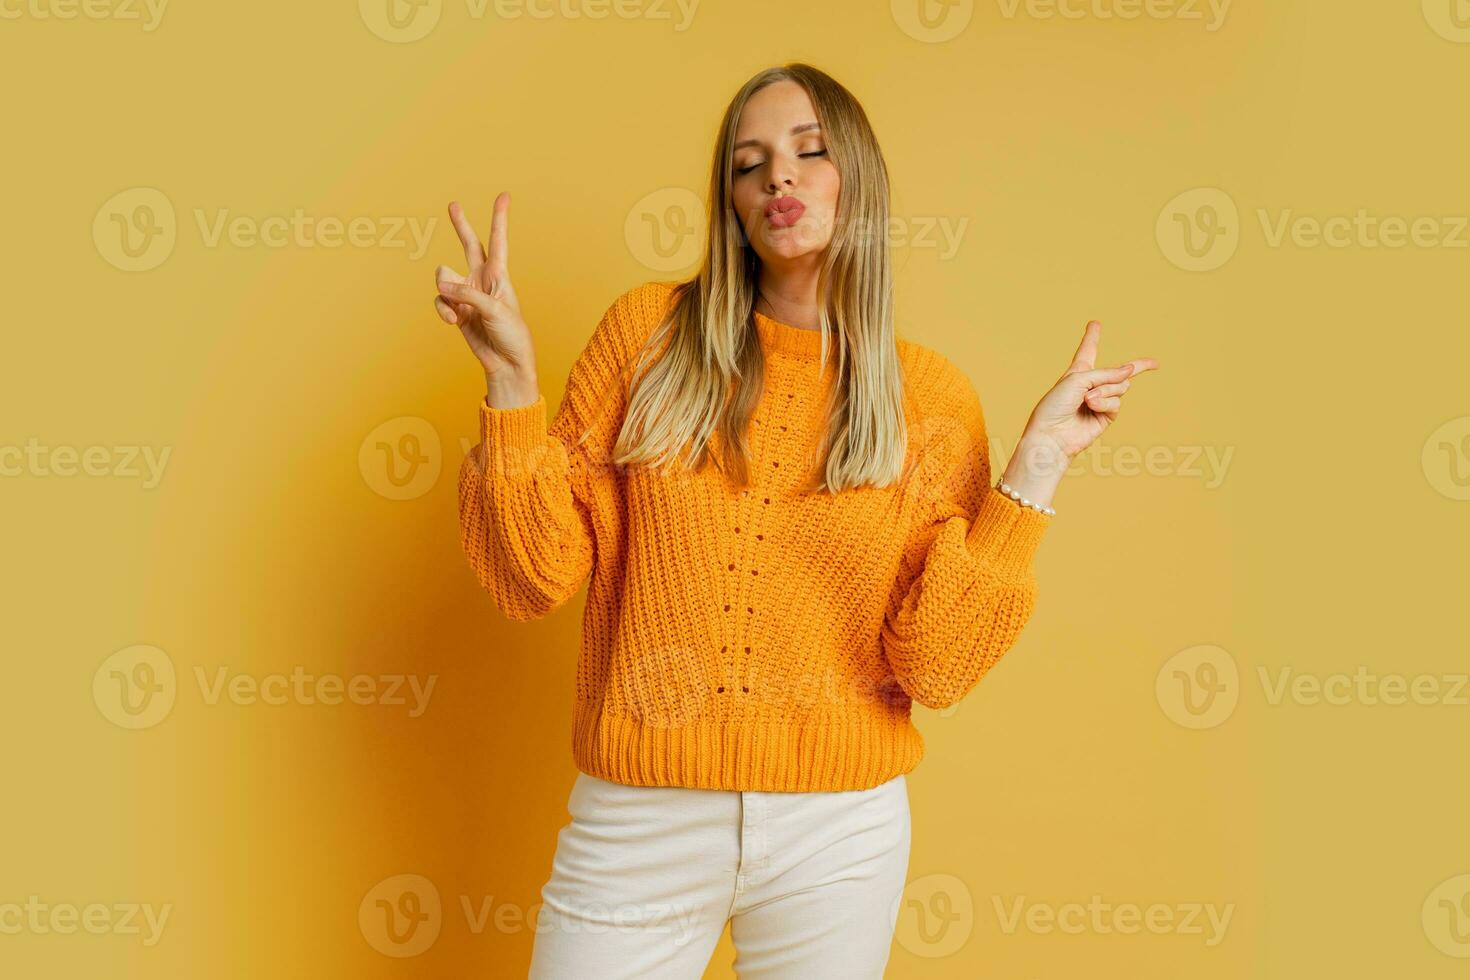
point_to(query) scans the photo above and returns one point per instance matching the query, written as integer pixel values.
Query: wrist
(1036, 468)
(511, 388)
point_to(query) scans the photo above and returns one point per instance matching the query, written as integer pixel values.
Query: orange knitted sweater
(752, 638)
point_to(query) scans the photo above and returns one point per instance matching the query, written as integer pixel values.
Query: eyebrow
(794, 130)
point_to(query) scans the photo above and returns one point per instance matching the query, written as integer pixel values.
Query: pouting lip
(788, 202)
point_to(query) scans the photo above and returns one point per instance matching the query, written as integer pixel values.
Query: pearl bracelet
(1005, 488)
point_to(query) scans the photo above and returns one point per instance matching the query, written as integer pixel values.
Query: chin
(782, 243)
(777, 256)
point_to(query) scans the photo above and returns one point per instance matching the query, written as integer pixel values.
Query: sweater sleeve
(535, 506)
(966, 583)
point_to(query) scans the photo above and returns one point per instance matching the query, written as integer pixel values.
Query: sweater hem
(761, 755)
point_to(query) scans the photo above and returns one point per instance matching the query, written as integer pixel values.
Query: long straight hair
(699, 376)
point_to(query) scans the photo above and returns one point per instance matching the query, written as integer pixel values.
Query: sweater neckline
(787, 339)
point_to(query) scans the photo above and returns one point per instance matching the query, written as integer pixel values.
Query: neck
(789, 296)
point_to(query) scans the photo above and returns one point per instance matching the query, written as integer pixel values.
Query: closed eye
(745, 170)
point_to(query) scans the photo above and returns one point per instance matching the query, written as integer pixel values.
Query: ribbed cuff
(514, 438)
(1004, 535)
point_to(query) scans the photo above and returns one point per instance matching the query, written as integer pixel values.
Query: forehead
(774, 111)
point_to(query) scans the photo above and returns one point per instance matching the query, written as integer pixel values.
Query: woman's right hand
(483, 303)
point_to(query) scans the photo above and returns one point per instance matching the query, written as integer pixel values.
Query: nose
(783, 174)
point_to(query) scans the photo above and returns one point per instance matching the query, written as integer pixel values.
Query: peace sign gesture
(483, 304)
(1085, 400)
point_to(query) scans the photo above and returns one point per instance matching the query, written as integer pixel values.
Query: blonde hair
(709, 375)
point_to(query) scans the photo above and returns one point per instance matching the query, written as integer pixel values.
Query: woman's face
(778, 147)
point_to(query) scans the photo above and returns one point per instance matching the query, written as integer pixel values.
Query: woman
(788, 521)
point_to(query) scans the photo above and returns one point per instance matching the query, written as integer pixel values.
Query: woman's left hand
(1085, 400)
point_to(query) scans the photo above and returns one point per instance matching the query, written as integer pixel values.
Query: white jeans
(646, 877)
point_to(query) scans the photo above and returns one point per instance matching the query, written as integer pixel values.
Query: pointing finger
(1142, 364)
(1099, 376)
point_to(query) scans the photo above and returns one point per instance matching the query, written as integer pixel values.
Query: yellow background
(1330, 379)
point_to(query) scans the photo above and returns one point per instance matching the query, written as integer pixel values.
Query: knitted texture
(755, 638)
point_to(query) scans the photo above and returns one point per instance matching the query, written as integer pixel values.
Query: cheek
(829, 186)
(743, 199)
